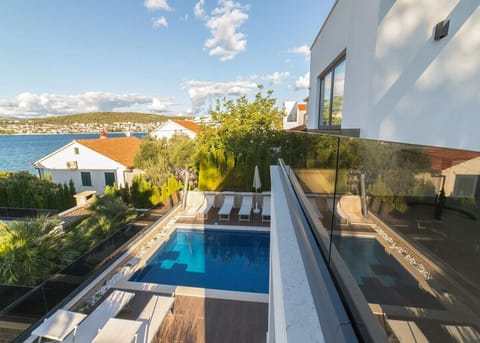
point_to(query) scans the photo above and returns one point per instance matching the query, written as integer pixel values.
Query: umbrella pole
(256, 209)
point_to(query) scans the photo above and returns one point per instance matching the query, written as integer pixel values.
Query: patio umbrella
(257, 183)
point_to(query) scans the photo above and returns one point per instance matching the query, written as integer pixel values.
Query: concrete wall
(97, 177)
(400, 84)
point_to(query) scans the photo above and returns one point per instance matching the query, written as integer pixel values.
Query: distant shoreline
(67, 133)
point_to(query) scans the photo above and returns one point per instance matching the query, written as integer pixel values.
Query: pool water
(214, 259)
(382, 279)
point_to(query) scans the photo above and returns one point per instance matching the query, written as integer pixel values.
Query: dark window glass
(86, 178)
(331, 95)
(109, 179)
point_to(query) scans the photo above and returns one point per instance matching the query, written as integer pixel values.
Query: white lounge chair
(464, 334)
(206, 206)
(407, 331)
(109, 308)
(245, 208)
(152, 317)
(58, 326)
(226, 209)
(118, 331)
(266, 209)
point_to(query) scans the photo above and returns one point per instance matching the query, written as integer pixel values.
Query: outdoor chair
(152, 317)
(109, 308)
(245, 208)
(226, 209)
(206, 206)
(266, 209)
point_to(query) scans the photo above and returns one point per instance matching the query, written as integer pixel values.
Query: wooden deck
(207, 320)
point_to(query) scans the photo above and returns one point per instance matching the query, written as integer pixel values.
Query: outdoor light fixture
(441, 29)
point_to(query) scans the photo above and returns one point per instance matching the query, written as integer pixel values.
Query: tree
(245, 134)
(30, 251)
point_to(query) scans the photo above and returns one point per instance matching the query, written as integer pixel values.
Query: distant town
(85, 123)
(22, 127)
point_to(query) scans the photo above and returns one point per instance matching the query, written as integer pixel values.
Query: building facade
(384, 68)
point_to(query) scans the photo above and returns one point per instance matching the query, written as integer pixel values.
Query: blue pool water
(382, 279)
(214, 259)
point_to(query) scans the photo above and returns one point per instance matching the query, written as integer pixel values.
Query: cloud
(276, 77)
(37, 105)
(302, 50)
(201, 91)
(199, 10)
(159, 22)
(157, 5)
(223, 23)
(303, 82)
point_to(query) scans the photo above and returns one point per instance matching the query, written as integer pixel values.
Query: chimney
(103, 134)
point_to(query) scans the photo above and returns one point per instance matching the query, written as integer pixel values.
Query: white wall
(87, 161)
(400, 84)
(169, 129)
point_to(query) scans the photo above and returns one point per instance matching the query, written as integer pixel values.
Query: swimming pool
(213, 259)
(382, 279)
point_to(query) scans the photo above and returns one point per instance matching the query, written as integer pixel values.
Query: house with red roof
(92, 164)
(176, 127)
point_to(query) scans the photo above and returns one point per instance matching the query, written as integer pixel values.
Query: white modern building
(400, 70)
(176, 127)
(92, 164)
(296, 114)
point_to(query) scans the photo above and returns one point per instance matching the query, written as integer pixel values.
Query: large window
(86, 178)
(331, 94)
(109, 179)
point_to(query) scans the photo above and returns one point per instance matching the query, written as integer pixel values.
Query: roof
(302, 107)
(119, 149)
(443, 158)
(190, 125)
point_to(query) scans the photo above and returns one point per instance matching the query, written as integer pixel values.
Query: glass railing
(404, 221)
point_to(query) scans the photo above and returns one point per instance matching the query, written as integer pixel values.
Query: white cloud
(226, 41)
(276, 77)
(157, 5)
(159, 22)
(303, 82)
(36, 105)
(302, 50)
(199, 10)
(201, 91)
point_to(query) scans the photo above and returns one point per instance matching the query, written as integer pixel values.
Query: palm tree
(31, 251)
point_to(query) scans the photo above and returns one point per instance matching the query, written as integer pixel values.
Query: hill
(102, 118)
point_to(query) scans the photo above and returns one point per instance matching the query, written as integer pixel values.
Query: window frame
(330, 69)
(86, 176)
(114, 178)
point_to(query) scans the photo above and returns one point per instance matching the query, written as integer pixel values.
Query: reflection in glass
(406, 221)
(326, 91)
(338, 86)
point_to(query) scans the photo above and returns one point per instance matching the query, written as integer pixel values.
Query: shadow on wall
(428, 83)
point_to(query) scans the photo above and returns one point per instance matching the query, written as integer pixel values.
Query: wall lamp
(441, 29)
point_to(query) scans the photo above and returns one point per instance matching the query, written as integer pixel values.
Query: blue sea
(18, 152)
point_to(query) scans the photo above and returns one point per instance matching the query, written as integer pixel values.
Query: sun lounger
(109, 308)
(206, 206)
(245, 208)
(464, 334)
(152, 317)
(59, 325)
(226, 209)
(266, 209)
(118, 331)
(407, 331)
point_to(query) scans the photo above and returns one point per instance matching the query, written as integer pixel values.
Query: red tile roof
(119, 149)
(189, 125)
(302, 107)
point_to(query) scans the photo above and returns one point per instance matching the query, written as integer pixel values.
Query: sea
(18, 152)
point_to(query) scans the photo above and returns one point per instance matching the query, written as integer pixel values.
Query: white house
(92, 164)
(402, 70)
(176, 127)
(296, 114)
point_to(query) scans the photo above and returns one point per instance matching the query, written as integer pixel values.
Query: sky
(173, 57)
